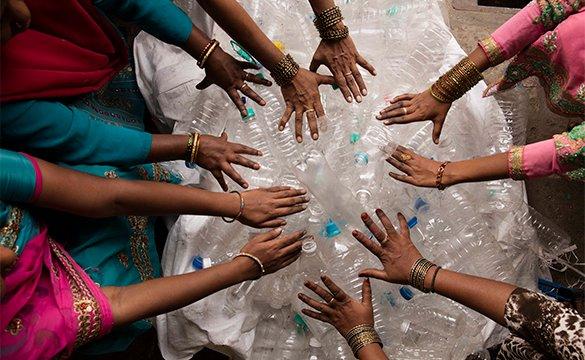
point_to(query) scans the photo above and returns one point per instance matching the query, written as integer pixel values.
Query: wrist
(451, 175)
(245, 268)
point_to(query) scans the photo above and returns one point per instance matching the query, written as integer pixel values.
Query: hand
(264, 207)
(409, 108)
(302, 95)
(341, 57)
(7, 259)
(395, 250)
(216, 154)
(228, 73)
(274, 252)
(339, 310)
(419, 170)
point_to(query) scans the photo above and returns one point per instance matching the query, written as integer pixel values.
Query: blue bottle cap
(331, 229)
(361, 158)
(354, 137)
(261, 75)
(300, 323)
(412, 222)
(244, 99)
(420, 204)
(251, 114)
(406, 292)
(197, 263)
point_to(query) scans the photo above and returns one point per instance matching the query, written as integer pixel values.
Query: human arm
(301, 93)
(341, 58)
(343, 312)
(158, 296)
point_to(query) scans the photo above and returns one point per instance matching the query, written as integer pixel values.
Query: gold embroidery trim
(9, 232)
(493, 50)
(139, 247)
(14, 326)
(84, 303)
(515, 163)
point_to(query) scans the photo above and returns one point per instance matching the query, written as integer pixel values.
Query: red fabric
(69, 49)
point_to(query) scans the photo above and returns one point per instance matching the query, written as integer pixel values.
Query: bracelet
(334, 34)
(204, 51)
(239, 212)
(192, 149)
(189, 147)
(439, 181)
(327, 18)
(208, 50)
(418, 273)
(256, 260)
(432, 289)
(456, 82)
(355, 330)
(285, 71)
(361, 336)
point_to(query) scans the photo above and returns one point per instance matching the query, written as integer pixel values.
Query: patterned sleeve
(526, 27)
(564, 154)
(549, 326)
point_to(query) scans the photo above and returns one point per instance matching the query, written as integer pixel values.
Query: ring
(243, 86)
(405, 111)
(384, 241)
(405, 157)
(310, 110)
(349, 73)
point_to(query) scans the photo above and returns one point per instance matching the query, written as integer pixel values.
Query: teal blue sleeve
(59, 133)
(17, 177)
(160, 18)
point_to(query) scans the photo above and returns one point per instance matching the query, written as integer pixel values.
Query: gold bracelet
(456, 82)
(356, 330)
(364, 338)
(328, 18)
(212, 47)
(195, 152)
(204, 51)
(240, 212)
(189, 148)
(285, 70)
(334, 34)
(418, 273)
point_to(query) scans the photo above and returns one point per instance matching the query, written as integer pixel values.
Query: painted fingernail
(349, 99)
(315, 136)
(299, 139)
(364, 92)
(358, 99)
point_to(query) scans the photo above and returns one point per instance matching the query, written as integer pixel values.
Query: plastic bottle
(267, 334)
(210, 111)
(293, 343)
(238, 297)
(315, 350)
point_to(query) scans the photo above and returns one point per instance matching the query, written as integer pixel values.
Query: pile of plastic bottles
(461, 228)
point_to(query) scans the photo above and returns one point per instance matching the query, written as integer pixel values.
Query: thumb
(437, 128)
(204, 84)
(367, 292)
(374, 273)
(314, 64)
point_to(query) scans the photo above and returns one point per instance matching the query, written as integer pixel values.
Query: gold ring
(310, 110)
(349, 73)
(405, 157)
(243, 86)
(405, 111)
(384, 241)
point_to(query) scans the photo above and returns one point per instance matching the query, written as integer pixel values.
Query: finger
(267, 236)
(396, 113)
(234, 175)
(240, 160)
(299, 123)
(243, 149)
(336, 291)
(319, 306)
(319, 111)
(285, 117)
(272, 223)
(386, 222)
(402, 97)
(399, 165)
(278, 188)
(247, 90)
(236, 99)
(7, 258)
(374, 229)
(204, 84)
(219, 177)
(315, 64)
(404, 178)
(312, 120)
(374, 273)
(367, 292)
(290, 239)
(359, 80)
(398, 105)
(404, 229)
(315, 315)
(293, 249)
(352, 85)
(257, 80)
(290, 260)
(406, 119)
(286, 202)
(285, 211)
(248, 65)
(343, 87)
(325, 79)
(369, 244)
(323, 294)
(437, 128)
(286, 192)
(365, 64)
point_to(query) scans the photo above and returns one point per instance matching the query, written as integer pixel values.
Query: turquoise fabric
(56, 132)
(17, 177)
(160, 18)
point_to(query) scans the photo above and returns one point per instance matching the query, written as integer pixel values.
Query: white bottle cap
(206, 263)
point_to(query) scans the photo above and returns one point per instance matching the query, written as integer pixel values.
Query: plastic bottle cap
(314, 343)
(331, 229)
(251, 114)
(244, 99)
(361, 158)
(412, 222)
(354, 137)
(335, 87)
(421, 205)
(406, 292)
(309, 247)
(201, 262)
(300, 323)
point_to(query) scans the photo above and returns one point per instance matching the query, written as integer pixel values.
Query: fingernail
(375, 72)
(256, 166)
(280, 128)
(299, 139)
(260, 153)
(245, 186)
(283, 222)
(364, 92)
(349, 99)
(303, 191)
(300, 296)
(386, 122)
(378, 211)
(262, 102)
(315, 136)
(354, 232)
(322, 277)
(437, 141)
(304, 207)
(278, 230)
(358, 99)
(379, 117)
(303, 232)
(364, 216)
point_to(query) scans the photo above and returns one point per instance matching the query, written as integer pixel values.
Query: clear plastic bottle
(238, 297)
(294, 342)
(211, 111)
(316, 350)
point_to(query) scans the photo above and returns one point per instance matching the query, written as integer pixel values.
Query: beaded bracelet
(242, 205)
(440, 172)
(256, 260)
(285, 70)
(328, 18)
(334, 34)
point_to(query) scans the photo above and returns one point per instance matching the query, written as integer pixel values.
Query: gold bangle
(363, 339)
(210, 50)
(240, 212)
(285, 70)
(195, 152)
(456, 82)
(328, 18)
(334, 34)
(189, 148)
(355, 330)
(204, 51)
(418, 273)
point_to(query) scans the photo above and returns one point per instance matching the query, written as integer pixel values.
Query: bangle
(327, 18)
(360, 336)
(334, 34)
(440, 172)
(192, 149)
(285, 70)
(239, 212)
(456, 82)
(256, 260)
(418, 273)
(188, 150)
(204, 51)
(207, 51)
(432, 289)
(355, 330)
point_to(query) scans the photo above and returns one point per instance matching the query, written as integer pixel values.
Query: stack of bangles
(326, 22)
(284, 71)
(207, 50)
(456, 82)
(360, 336)
(192, 149)
(418, 273)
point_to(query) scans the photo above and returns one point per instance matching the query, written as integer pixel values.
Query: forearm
(486, 168)
(167, 147)
(319, 6)
(488, 297)
(236, 22)
(158, 296)
(196, 43)
(372, 352)
(480, 59)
